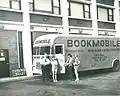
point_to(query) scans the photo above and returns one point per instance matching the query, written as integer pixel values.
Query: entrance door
(4, 63)
(59, 53)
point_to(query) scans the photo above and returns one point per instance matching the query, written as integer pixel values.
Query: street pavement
(106, 84)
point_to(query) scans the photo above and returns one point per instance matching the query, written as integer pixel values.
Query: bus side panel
(91, 57)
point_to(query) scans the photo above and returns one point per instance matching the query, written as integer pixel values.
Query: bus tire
(116, 65)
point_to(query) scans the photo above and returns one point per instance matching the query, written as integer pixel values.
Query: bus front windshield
(41, 50)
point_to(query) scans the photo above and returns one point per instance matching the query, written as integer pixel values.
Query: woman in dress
(54, 63)
(76, 66)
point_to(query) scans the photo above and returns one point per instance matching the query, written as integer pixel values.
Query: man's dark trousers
(70, 72)
(46, 72)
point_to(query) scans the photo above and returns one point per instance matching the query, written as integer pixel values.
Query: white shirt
(77, 61)
(54, 64)
(45, 61)
(69, 61)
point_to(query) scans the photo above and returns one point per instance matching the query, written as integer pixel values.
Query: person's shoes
(77, 80)
(55, 81)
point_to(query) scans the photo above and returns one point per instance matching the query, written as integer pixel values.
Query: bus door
(59, 53)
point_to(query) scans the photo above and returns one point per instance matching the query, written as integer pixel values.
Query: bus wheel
(116, 66)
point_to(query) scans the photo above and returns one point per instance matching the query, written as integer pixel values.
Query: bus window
(58, 49)
(45, 49)
(36, 51)
(41, 50)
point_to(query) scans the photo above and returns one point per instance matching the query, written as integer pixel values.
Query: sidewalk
(10, 79)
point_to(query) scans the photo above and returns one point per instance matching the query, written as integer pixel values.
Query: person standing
(76, 66)
(69, 67)
(54, 63)
(45, 68)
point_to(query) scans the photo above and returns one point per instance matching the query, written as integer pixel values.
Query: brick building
(22, 21)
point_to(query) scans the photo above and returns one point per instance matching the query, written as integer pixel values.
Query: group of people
(72, 65)
(49, 65)
(46, 68)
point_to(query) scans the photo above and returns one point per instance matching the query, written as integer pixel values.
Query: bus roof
(49, 39)
(45, 40)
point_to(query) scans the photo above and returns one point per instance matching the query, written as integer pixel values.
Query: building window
(79, 10)
(30, 6)
(56, 7)
(86, 9)
(105, 14)
(44, 6)
(102, 13)
(15, 4)
(5, 4)
(76, 10)
(106, 2)
(110, 14)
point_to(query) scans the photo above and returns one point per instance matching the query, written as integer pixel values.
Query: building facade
(22, 21)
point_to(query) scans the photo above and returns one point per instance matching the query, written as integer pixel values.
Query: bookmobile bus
(93, 52)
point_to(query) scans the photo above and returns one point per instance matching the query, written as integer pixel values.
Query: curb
(11, 79)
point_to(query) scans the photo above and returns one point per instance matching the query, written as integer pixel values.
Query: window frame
(84, 11)
(43, 11)
(69, 9)
(108, 14)
(9, 4)
(32, 6)
(19, 3)
(44, 50)
(58, 47)
(59, 7)
(52, 5)
(20, 48)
